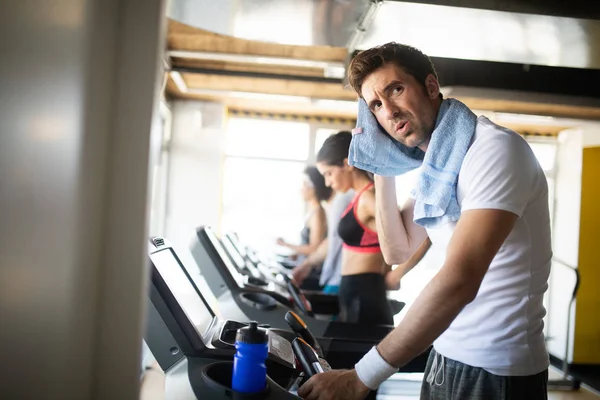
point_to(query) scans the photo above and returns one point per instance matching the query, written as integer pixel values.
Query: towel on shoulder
(372, 149)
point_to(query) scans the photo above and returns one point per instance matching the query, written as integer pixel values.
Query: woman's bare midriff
(354, 263)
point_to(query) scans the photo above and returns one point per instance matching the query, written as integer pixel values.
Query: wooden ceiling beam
(184, 37)
(247, 67)
(538, 108)
(338, 92)
(309, 109)
(334, 91)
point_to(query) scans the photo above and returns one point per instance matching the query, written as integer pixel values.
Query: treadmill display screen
(216, 243)
(235, 242)
(197, 312)
(232, 251)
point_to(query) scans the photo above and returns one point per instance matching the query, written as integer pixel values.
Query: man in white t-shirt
(483, 310)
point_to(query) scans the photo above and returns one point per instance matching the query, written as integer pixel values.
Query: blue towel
(375, 151)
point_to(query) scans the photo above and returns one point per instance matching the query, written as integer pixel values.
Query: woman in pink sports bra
(363, 293)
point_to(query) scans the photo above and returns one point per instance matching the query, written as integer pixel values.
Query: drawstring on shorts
(436, 374)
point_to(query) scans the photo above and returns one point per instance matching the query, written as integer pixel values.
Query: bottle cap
(251, 334)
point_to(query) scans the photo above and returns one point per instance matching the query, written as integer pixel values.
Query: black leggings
(363, 300)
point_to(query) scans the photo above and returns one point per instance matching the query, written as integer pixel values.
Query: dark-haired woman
(314, 193)
(363, 292)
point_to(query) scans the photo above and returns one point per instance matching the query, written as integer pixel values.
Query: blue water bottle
(249, 369)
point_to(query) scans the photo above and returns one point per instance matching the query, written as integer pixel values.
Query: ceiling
(273, 77)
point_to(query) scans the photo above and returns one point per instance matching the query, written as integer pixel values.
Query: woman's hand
(392, 281)
(282, 242)
(301, 272)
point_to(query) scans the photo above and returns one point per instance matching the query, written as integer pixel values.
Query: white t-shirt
(501, 331)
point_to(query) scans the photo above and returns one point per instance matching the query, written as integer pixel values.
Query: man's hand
(332, 385)
(301, 272)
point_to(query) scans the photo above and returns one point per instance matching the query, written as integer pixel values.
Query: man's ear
(432, 86)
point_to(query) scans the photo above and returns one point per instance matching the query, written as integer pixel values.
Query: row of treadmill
(191, 333)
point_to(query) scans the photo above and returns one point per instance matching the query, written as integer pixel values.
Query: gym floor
(153, 388)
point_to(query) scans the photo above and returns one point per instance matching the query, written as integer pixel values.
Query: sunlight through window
(262, 179)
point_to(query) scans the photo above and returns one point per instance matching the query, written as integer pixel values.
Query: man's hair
(410, 59)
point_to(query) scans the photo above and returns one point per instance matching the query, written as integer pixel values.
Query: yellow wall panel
(587, 323)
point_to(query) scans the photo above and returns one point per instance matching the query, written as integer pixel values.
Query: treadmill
(243, 297)
(195, 347)
(278, 271)
(271, 269)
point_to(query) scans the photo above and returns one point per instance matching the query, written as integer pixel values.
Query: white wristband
(373, 370)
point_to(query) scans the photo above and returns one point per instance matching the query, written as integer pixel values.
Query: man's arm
(399, 236)
(499, 178)
(392, 278)
(478, 236)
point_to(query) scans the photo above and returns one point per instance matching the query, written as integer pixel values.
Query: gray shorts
(447, 379)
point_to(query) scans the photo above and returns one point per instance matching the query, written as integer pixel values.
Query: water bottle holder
(218, 375)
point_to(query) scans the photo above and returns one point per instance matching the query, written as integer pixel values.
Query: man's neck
(425, 144)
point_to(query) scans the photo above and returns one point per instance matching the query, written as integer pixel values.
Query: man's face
(405, 109)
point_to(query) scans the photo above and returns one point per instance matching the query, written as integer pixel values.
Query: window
(545, 152)
(262, 178)
(259, 138)
(160, 172)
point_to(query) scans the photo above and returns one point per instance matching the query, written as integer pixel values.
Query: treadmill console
(214, 334)
(193, 304)
(280, 349)
(225, 274)
(208, 343)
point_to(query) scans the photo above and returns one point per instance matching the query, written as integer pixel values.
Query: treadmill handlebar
(301, 329)
(307, 357)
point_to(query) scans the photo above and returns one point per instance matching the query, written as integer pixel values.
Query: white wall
(565, 236)
(591, 135)
(79, 86)
(197, 149)
(568, 196)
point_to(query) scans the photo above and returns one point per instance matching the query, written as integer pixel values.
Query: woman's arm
(318, 233)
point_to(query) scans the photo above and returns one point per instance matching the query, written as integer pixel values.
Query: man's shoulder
(485, 130)
(497, 150)
(491, 137)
